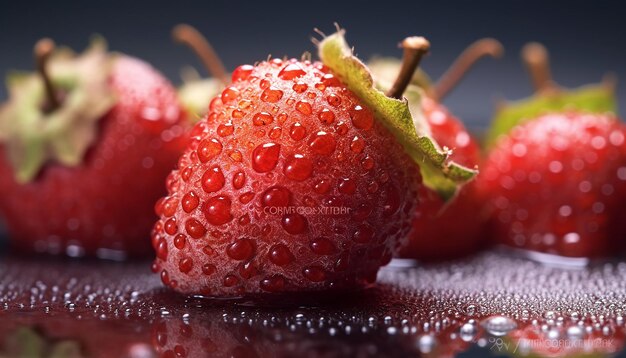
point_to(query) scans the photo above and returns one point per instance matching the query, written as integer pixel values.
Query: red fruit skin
(288, 136)
(441, 231)
(557, 185)
(106, 203)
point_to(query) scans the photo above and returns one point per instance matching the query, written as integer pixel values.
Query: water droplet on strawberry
(304, 107)
(280, 255)
(276, 196)
(185, 265)
(217, 210)
(240, 250)
(298, 167)
(213, 180)
(190, 202)
(361, 118)
(262, 118)
(194, 228)
(326, 116)
(229, 94)
(323, 143)
(273, 283)
(265, 157)
(242, 72)
(291, 71)
(271, 95)
(294, 223)
(323, 246)
(314, 273)
(297, 131)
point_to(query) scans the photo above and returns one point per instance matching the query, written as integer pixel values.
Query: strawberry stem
(535, 57)
(42, 51)
(474, 52)
(414, 49)
(191, 37)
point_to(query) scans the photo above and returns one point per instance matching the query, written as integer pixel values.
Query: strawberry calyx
(404, 117)
(549, 97)
(33, 133)
(195, 93)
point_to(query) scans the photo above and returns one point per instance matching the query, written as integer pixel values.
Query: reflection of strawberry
(86, 163)
(286, 140)
(557, 181)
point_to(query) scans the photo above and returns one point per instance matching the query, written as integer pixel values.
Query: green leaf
(590, 99)
(403, 118)
(32, 136)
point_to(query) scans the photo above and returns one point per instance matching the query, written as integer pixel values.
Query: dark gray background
(586, 38)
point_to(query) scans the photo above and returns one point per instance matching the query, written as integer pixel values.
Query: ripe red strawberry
(88, 186)
(291, 183)
(557, 185)
(557, 181)
(433, 237)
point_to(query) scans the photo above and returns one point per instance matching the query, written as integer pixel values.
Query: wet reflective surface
(490, 304)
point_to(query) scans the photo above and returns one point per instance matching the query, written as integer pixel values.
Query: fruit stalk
(460, 67)
(536, 60)
(42, 51)
(414, 49)
(191, 37)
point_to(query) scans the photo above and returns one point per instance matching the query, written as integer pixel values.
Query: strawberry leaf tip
(599, 98)
(31, 135)
(404, 118)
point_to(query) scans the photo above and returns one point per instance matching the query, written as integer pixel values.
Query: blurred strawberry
(556, 170)
(86, 144)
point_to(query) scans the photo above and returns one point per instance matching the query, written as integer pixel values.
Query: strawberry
(302, 177)
(85, 164)
(433, 238)
(555, 175)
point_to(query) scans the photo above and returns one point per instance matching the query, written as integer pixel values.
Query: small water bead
(208, 269)
(304, 107)
(291, 71)
(179, 241)
(185, 265)
(297, 131)
(361, 118)
(271, 95)
(194, 228)
(230, 280)
(276, 196)
(265, 157)
(208, 149)
(162, 250)
(217, 210)
(300, 87)
(323, 246)
(322, 187)
(241, 250)
(229, 94)
(333, 100)
(298, 167)
(262, 118)
(294, 223)
(273, 283)
(323, 143)
(246, 197)
(367, 163)
(213, 180)
(329, 80)
(236, 156)
(190, 201)
(357, 145)
(499, 325)
(225, 129)
(242, 72)
(237, 114)
(326, 116)
(239, 179)
(468, 331)
(314, 273)
(341, 128)
(275, 133)
(280, 255)
(347, 186)
(170, 226)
